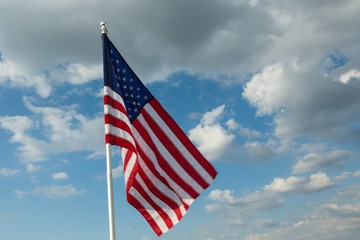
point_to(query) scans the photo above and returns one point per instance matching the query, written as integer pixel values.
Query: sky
(268, 90)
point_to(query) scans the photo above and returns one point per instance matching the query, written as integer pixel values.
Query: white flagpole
(110, 192)
(104, 30)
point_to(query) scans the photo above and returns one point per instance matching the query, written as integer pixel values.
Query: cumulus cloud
(344, 175)
(329, 219)
(343, 209)
(63, 130)
(282, 90)
(267, 90)
(315, 183)
(20, 126)
(222, 196)
(76, 73)
(311, 161)
(210, 136)
(269, 197)
(15, 75)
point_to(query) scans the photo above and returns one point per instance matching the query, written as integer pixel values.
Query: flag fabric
(164, 172)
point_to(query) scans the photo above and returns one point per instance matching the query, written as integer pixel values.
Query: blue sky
(267, 90)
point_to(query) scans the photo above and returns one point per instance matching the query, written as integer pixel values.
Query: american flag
(164, 172)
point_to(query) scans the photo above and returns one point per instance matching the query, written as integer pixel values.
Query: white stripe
(150, 154)
(108, 109)
(131, 163)
(166, 208)
(182, 149)
(152, 212)
(169, 158)
(163, 188)
(118, 132)
(109, 92)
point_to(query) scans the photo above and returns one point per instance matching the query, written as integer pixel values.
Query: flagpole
(103, 27)
(110, 192)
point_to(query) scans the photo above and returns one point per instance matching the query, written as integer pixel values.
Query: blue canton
(125, 82)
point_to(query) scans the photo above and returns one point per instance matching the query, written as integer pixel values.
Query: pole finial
(103, 27)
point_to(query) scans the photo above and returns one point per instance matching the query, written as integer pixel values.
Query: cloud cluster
(329, 220)
(271, 195)
(62, 130)
(338, 216)
(15, 75)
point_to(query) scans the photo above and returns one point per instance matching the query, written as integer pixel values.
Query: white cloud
(348, 76)
(282, 185)
(243, 131)
(222, 196)
(343, 209)
(55, 192)
(328, 220)
(270, 196)
(62, 129)
(19, 126)
(210, 136)
(60, 176)
(267, 90)
(118, 171)
(212, 117)
(317, 228)
(76, 73)
(311, 161)
(15, 74)
(315, 183)
(6, 172)
(301, 101)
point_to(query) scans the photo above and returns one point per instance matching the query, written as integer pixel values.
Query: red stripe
(183, 138)
(134, 170)
(156, 207)
(108, 100)
(153, 170)
(121, 142)
(153, 188)
(136, 204)
(127, 158)
(116, 122)
(162, 162)
(174, 151)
